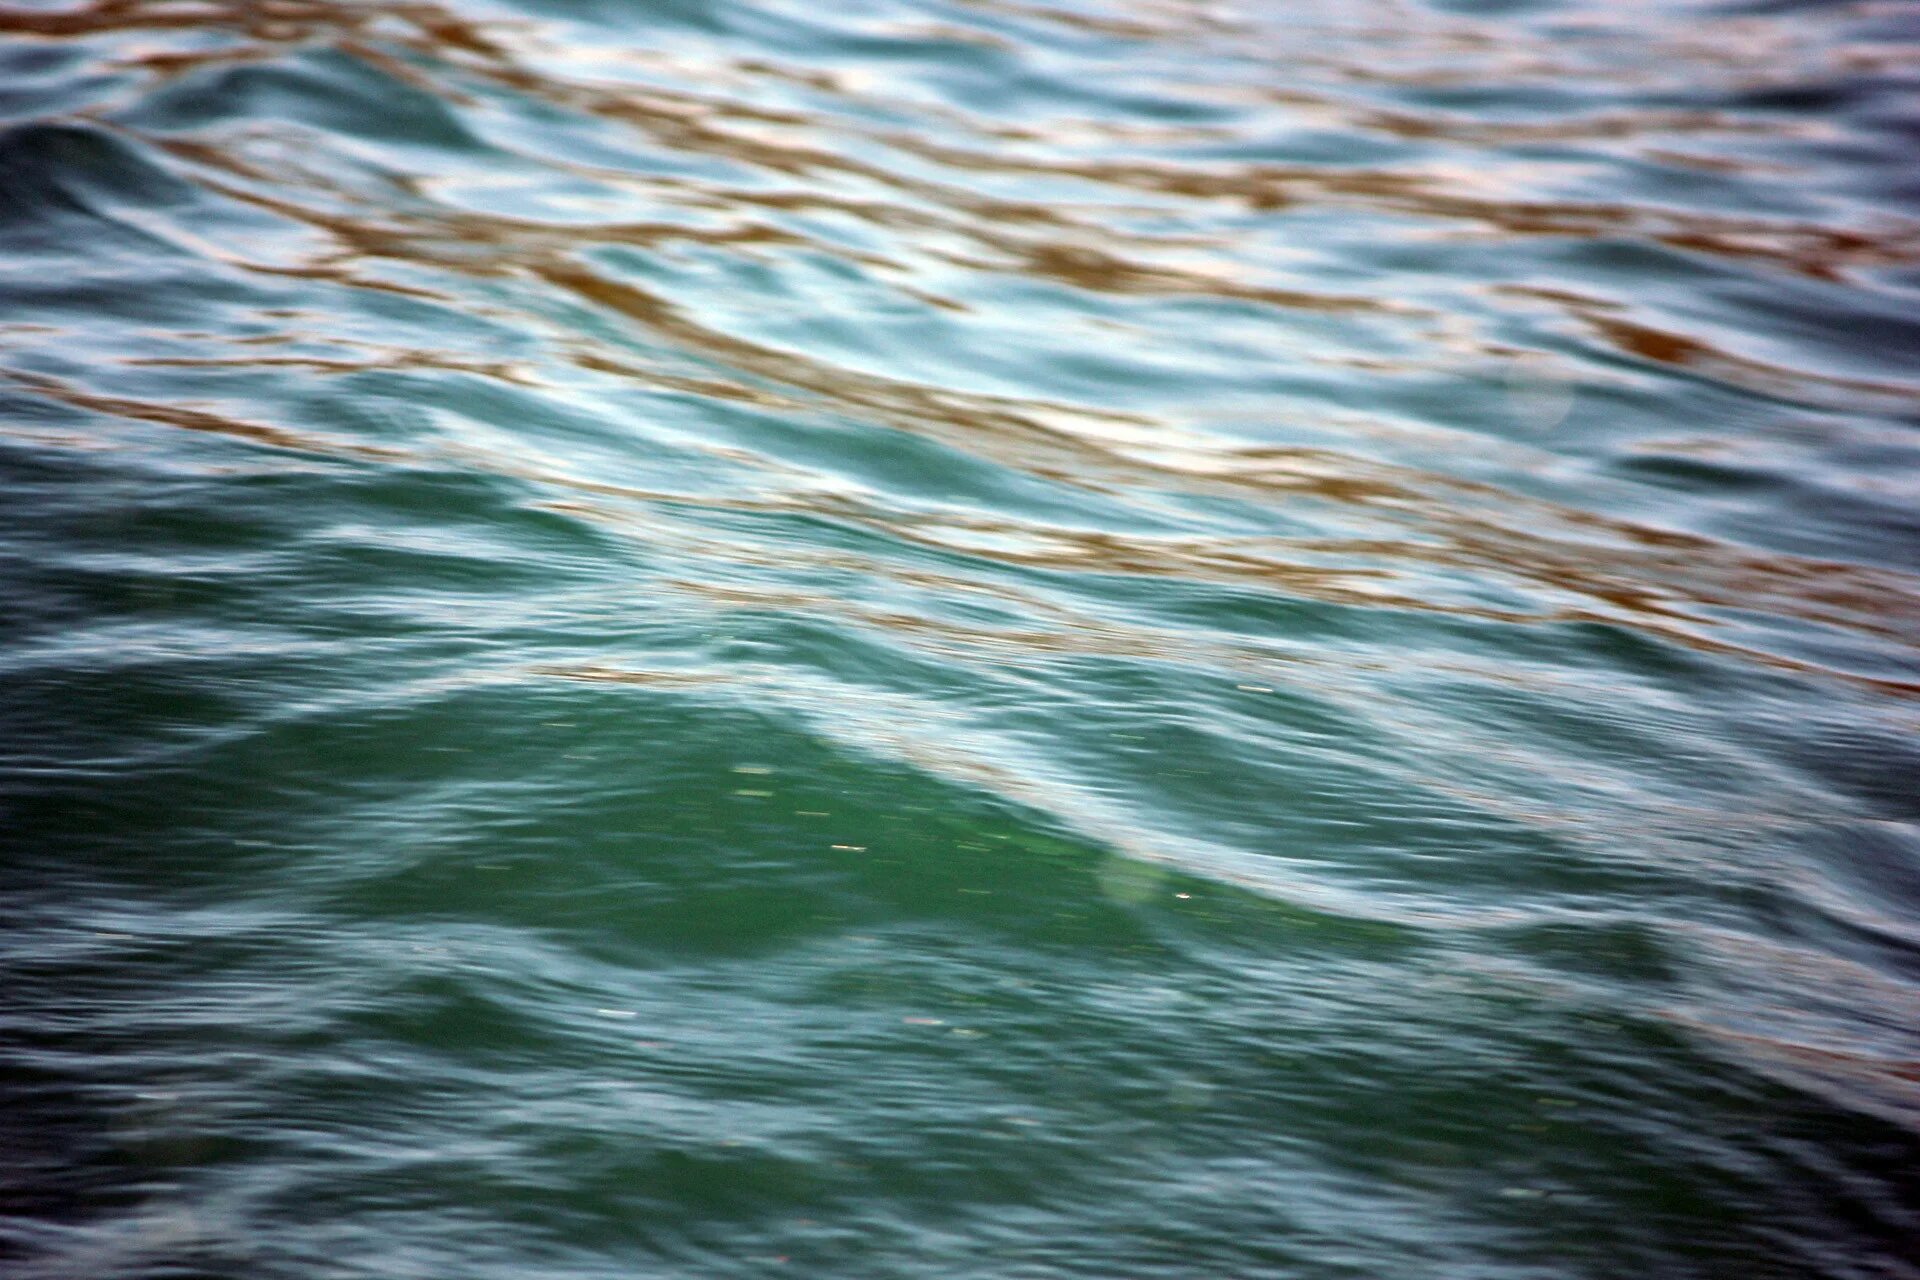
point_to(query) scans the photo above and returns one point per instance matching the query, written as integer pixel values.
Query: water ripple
(1161, 639)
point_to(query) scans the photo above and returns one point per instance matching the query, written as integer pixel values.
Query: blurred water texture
(910, 638)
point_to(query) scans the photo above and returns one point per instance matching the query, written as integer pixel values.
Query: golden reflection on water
(1285, 360)
(942, 218)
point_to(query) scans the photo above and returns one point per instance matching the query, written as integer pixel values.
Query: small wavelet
(1041, 637)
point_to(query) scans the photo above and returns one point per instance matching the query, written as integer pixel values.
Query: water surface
(957, 638)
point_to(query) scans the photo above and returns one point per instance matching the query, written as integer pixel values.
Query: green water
(957, 638)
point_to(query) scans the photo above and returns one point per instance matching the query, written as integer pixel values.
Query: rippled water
(973, 638)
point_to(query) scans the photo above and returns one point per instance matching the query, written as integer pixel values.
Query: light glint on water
(953, 638)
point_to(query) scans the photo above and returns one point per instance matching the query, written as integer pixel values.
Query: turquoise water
(959, 638)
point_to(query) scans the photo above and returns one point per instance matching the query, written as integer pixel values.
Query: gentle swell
(1434, 492)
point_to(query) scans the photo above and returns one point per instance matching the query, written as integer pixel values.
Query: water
(960, 638)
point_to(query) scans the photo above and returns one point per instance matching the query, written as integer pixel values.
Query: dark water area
(959, 638)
